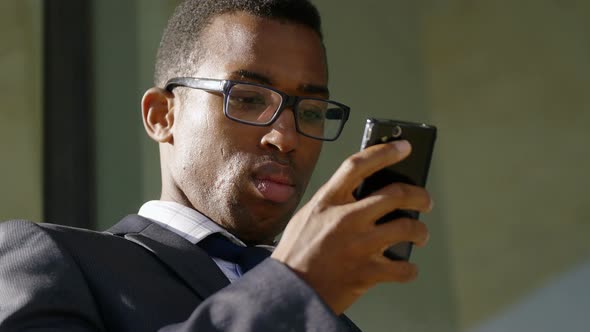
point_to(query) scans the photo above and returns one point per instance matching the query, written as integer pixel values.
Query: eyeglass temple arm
(196, 83)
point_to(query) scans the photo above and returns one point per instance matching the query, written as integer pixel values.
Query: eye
(334, 114)
(311, 114)
(247, 98)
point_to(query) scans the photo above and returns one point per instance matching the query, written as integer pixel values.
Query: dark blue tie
(217, 245)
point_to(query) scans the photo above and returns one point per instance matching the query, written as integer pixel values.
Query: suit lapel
(188, 261)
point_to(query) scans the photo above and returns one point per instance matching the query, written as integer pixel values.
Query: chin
(257, 220)
(275, 213)
(263, 228)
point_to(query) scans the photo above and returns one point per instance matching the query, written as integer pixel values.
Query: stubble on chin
(226, 194)
(237, 209)
(222, 200)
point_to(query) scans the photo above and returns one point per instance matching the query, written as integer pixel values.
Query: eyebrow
(252, 76)
(242, 74)
(314, 89)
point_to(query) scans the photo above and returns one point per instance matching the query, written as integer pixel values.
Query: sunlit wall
(20, 113)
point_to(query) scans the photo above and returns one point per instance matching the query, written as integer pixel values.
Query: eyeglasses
(260, 105)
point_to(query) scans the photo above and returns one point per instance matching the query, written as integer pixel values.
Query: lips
(275, 182)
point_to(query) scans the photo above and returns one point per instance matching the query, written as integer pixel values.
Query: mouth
(275, 182)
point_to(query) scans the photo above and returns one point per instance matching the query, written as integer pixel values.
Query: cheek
(197, 121)
(209, 145)
(230, 172)
(311, 153)
(192, 135)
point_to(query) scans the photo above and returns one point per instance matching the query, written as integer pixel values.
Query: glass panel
(127, 162)
(21, 114)
(252, 103)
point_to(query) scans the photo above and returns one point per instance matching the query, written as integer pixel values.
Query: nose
(282, 135)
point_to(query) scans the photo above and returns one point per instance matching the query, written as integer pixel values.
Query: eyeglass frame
(287, 101)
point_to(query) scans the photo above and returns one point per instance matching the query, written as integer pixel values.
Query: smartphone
(412, 170)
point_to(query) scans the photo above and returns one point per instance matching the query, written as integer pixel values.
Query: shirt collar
(186, 222)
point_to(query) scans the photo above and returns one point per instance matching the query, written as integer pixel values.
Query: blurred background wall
(506, 82)
(21, 113)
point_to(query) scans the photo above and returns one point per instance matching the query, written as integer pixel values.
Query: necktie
(217, 245)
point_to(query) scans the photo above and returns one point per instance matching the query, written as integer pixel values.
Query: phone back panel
(412, 170)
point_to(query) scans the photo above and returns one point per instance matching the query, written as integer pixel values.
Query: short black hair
(183, 32)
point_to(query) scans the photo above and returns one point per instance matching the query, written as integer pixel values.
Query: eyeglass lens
(257, 105)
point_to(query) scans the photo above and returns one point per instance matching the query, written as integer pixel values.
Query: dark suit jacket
(140, 277)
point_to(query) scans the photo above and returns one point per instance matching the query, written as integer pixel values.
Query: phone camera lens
(396, 131)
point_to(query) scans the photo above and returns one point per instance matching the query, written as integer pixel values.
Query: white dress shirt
(193, 226)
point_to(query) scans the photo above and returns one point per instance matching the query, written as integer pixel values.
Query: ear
(157, 108)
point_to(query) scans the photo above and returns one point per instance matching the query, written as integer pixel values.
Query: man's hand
(333, 242)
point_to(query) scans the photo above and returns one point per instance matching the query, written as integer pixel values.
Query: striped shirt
(193, 226)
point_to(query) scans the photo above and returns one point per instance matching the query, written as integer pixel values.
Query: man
(240, 114)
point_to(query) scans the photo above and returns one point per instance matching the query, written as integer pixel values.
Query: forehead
(286, 52)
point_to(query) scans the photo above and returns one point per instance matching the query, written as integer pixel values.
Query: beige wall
(20, 113)
(506, 83)
(508, 86)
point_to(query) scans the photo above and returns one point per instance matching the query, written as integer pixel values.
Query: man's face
(247, 179)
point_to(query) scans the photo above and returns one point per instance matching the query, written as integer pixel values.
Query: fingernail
(402, 146)
(431, 205)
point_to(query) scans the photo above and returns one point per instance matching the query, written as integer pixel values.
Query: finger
(366, 162)
(392, 197)
(397, 231)
(387, 270)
